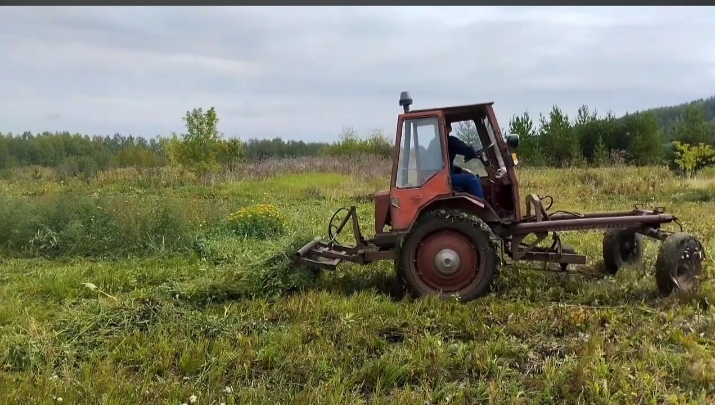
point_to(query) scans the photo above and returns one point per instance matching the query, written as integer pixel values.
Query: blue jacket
(455, 147)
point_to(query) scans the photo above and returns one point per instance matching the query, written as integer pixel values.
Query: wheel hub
(629, 247)
(690, 263)
(447, 261)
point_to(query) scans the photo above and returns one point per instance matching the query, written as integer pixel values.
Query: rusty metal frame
(539, 223)
(352, 214)
(328, 255)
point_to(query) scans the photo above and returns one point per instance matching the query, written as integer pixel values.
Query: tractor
(448, 243)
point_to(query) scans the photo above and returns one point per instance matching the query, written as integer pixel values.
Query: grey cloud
(306, 72)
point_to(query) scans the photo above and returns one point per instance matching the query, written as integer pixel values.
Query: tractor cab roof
(460, 112)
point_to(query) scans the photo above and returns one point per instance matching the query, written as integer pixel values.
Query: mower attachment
(327, 255)
(320, 255)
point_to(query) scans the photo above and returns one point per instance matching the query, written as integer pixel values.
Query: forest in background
(682, 136)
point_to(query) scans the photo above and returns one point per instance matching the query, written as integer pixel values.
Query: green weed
(261, 221)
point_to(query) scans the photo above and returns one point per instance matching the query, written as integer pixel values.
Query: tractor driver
(461, 179)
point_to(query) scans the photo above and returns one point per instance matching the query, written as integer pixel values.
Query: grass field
(131, 288)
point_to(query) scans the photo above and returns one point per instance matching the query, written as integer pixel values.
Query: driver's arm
(458, 147)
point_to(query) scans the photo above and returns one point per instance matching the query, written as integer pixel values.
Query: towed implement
(446, 242)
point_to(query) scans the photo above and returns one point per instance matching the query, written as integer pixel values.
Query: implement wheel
(679, 263)
(445, 255)
(621, 247)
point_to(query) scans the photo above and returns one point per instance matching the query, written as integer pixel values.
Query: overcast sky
(304, 73)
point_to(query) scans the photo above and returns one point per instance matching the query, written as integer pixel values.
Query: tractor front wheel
(448, 254)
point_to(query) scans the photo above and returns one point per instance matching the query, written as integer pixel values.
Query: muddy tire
(679, 263)
(448, 253)
(396, 286)
(621, 247)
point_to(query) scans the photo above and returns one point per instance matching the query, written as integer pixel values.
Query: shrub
(258, 221)
(690, 159)
(198, 149)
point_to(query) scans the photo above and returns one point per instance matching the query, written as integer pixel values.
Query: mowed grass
(133, 291)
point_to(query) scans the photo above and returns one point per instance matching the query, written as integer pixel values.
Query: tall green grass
(130, 287)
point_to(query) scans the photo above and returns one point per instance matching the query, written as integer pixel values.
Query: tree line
(684, 133)
(641, 138)
(201, 148)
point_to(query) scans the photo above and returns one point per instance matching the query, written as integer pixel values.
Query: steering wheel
(479, 153)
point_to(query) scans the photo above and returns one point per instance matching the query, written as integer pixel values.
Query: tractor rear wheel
(621, 247)
(679, 263)
(449, 253)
